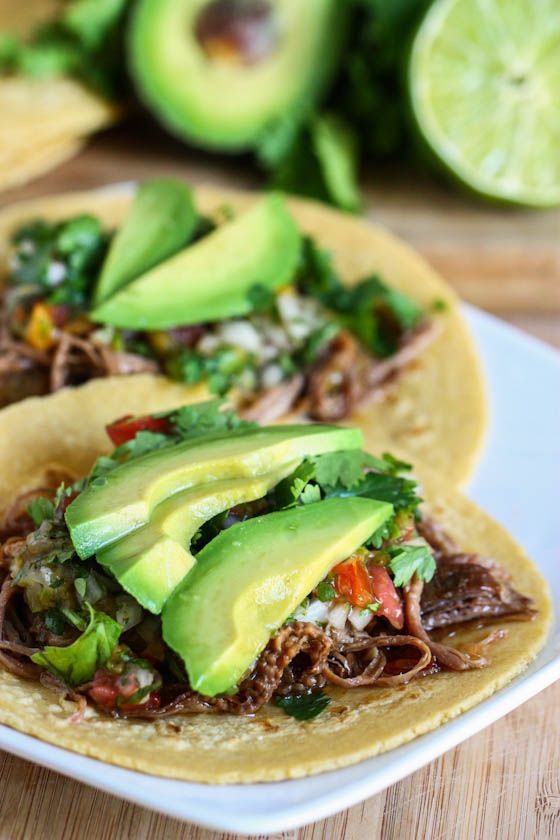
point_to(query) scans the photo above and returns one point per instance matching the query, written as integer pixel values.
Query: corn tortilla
(66, 430)
(437, 410)
(44, 121)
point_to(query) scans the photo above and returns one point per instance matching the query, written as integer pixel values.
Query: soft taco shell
(65, 430)
(436, 412)
(44, 121)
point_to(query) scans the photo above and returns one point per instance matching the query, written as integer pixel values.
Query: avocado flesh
(161, 219)
(150, 562)
(210, 280)
(124, 499)
(250, 578)
(227, 106)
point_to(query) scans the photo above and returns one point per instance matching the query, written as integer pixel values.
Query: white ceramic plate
(517, 482)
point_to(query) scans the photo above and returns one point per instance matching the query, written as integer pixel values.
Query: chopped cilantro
(304, 706)
(400, 492)
(206, 418)
(310, 493)
(40, 509)
(344, 468)
(221, 371)
(373, 312)
(326, 591)
(409, 560)
(60, 260)
(261, 298)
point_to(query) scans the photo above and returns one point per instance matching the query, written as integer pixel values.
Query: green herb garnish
(304, 706)
(40, 510)
(407, 561)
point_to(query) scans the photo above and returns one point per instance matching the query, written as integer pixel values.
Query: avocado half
(220, 72)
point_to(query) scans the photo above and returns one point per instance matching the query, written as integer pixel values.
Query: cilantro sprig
(304, 706)
(408, 560)
(376, 314)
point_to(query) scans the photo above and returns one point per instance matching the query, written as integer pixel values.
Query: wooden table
(503, 784)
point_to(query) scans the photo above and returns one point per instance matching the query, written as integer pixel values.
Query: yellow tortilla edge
(413, 421)
(65, 430)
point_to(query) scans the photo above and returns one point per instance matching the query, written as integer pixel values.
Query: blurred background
(440, 120)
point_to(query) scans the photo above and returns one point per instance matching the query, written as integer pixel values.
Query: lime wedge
(484, 86)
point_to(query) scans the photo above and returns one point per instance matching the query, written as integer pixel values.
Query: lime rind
(484, 87)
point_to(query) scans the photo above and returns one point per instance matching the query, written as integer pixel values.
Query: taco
(222, 602)
(284, 306)
(54, 90)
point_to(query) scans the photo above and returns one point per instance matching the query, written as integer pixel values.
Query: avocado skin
(250, 578)
(124, 499)
(210, 280)
(160, 220)
(167, 77)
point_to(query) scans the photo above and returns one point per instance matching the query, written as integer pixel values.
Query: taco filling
(246, 305)
(211, 565)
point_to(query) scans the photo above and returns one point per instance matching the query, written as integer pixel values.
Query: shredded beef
(464, 589)
(347, 375)
(274, 402)
(259, 687)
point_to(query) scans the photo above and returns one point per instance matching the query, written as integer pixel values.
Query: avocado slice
(161, 219)
(124, 499)
(150, 562)
(211, 279)
(250, 578)
(219, 72)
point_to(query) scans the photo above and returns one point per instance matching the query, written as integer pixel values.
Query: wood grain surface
(504, 783)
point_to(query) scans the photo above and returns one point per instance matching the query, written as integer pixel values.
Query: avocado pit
(240, 32)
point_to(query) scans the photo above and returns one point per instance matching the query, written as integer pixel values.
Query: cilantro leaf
(78, 662)
(40, 509)
(400, 492)
(326, 591)
(304, 706)
(376, 314)
(310, 493)
(206, 418)
(59, 260)
(407, 560)
(344, 468)
(287, 493)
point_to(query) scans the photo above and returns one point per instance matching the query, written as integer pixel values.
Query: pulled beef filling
(316, 347)
(301, 658)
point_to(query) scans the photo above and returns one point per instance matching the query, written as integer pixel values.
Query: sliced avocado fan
(161, 219)
(150, 562)
(250, 578)
(211, 279)
(125, 499)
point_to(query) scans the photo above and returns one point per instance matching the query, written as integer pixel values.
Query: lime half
(484, 86)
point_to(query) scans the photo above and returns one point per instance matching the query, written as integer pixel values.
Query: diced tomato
(352, 581)
(126, 428)
(385, 593)
(109, 690)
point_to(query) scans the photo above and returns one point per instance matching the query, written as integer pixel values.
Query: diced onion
(359, 618)
(241, 334)
(272, 375)
(315, 611)
(338, 615)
